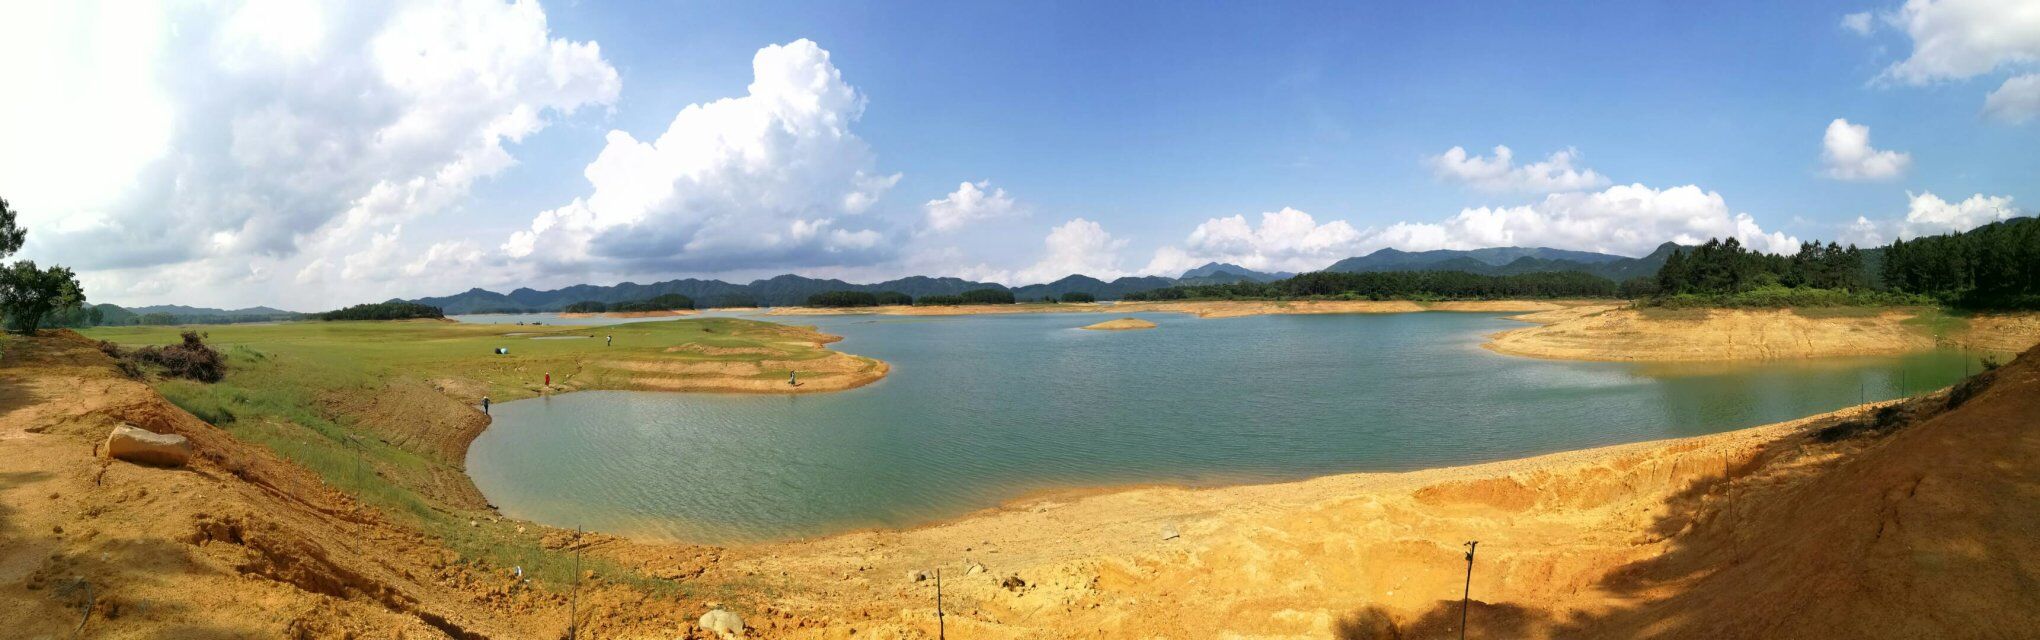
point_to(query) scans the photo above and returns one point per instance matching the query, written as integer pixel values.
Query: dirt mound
(1121, 324)
(238, 544)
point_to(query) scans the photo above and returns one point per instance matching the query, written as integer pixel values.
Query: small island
(1122, 324)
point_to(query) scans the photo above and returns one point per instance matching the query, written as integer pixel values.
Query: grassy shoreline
(386, 410)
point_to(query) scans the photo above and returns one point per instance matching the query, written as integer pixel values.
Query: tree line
(392, 310)
(844, 299)
(664, 302)
(1993, 266)
(1400, 285)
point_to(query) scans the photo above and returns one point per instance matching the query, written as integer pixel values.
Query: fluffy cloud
(1859, 23)
(1623, 219)
(1961, 39)
(234, 140)
(969, 203)
(1956, 39)
(1500, 173)
(2017, 101)
(1076, 247)
(1847, 153)
(1286, 240)
(1928, 214)
(773, 179)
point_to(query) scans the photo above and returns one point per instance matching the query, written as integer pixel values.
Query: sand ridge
(1620, 333)
(1121, 324)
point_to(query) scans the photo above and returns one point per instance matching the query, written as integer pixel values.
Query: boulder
(725, 624)
(141, 446)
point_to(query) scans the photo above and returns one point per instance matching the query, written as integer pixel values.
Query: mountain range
(1503, 261)
(793, 290)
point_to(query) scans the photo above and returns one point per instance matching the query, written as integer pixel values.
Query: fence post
(1468, 593)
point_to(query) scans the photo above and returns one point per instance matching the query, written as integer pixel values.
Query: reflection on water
(980, 409)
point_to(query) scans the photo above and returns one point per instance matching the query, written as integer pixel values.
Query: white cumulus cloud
(1956, 39)
(1077, 247)
(1962, 39)
(235, 141)
(969, 203)
(1847, 154)
(1500, 172)
(1861, 23)
(1623, 219)
(771, 179)
(1928, 214)
(1286, 240)
(2015, 102)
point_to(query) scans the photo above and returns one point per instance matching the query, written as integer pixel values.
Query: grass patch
(284, 380)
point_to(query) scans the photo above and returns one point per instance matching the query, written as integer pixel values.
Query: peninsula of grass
(403, 396)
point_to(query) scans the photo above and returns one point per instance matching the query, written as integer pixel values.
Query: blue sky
(1124, 137)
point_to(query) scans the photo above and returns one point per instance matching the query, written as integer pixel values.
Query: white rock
(726, 624)
(975, 569)
(141, 446)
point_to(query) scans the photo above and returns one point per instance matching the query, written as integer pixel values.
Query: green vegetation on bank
(392, 310)
(1399, 285)
(318, 392)
(1995, 266)
(665, 302)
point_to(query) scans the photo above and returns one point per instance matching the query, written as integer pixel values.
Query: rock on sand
(726, 624)
(1122, 324)
(141, 446)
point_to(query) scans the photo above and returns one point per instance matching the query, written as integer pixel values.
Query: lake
(982, 409)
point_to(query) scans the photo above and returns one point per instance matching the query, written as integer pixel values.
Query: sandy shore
(1121, 324)
(1207, 308)
(1618, 541)
(1616, 333)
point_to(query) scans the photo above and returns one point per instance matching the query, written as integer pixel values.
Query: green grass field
(296, 387)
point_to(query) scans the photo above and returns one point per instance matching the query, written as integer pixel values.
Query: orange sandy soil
(1925, 530)
(1619, 333)
(1121, 324)
(1205, 308)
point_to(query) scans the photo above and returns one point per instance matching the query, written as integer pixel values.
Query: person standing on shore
(485, 405)
(608, 339)
(548, 379)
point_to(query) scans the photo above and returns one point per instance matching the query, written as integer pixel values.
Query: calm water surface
(981, 409)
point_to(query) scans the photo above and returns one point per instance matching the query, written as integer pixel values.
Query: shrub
(1078, 296)
(190, 359)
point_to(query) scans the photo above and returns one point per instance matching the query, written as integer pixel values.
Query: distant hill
(787, 290)
(166, 314)
(1510, 261)
(1230, 273)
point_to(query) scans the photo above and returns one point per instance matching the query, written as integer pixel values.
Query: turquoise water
(982, 409)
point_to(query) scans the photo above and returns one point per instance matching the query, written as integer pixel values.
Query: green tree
(28, 294)
(11, 234)
(1078, 296)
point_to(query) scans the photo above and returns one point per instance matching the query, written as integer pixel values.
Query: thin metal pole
(941, 631)
(574, 599)
(1468, 593)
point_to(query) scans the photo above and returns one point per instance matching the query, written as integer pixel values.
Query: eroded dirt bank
(1624, 334)
(1920, 526)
